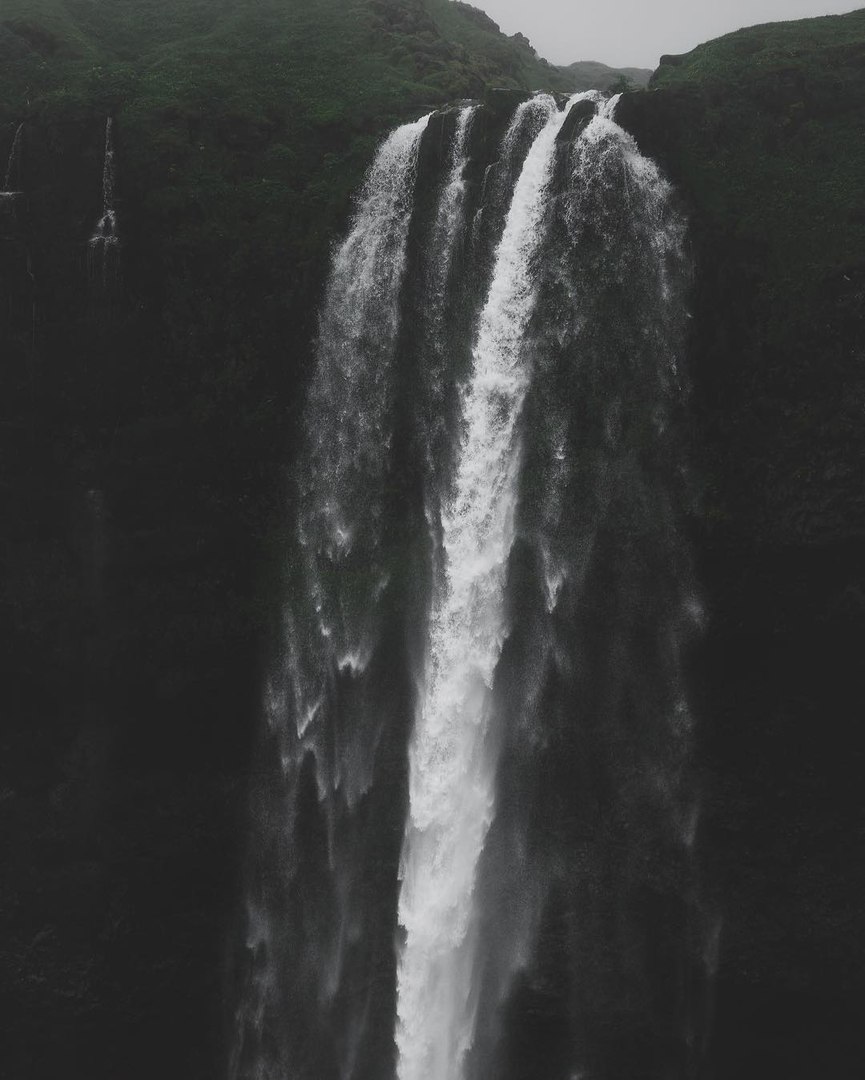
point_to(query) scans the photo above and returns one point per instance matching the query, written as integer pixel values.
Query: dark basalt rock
(577, 119)
(502, 100)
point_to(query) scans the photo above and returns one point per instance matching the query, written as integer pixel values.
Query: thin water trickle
(104, 244)
(12, 164)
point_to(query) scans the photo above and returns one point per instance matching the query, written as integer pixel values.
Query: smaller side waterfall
(104, 244)
(318, 928)
(356, 341)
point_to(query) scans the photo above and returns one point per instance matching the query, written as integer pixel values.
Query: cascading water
(593, 928)
(452, 771)
(433, 364)
(313, 938)
(474, 813)
(104, 244)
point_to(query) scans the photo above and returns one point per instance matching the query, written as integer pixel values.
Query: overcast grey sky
(634, 33)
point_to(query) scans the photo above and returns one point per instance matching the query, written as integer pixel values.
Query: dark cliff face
(130, 549)
(146, 422)
(761, 132)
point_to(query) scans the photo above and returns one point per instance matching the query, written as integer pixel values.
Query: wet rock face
(122, 744)
(778, 358)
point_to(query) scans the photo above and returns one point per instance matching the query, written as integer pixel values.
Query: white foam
(452, 765)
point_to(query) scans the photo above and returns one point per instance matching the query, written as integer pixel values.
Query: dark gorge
(432, 550)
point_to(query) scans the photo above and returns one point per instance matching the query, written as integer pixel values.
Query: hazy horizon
(630, 33)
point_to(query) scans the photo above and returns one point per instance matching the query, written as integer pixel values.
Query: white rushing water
(328, 634)
(347, 426)
(435, 367)
(452, 765)
(347, 415)
(449, 215)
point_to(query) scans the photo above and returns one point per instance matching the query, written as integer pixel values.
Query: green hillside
(770, 145)
(589, 75)
(800, 48)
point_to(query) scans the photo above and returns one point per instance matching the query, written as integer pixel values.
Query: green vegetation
(803, 47)
(201, 88)
(779, 151)
(763, 132)
(588, 75)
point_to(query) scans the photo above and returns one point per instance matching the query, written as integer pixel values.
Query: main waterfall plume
(475, 819)
(452, 771)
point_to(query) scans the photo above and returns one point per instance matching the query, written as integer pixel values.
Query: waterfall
(475, 817)
(105, 242)
(434, 363)
(452, 776)
(589, 885)
(347, 421)
(13, 163)
(312, 938)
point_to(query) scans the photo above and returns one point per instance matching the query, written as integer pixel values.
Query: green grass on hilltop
(802, 45)
(777, 155)
(763, 131)
(481, 39)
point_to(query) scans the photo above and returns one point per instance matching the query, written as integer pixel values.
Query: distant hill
(483, 40)
(592, 75)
